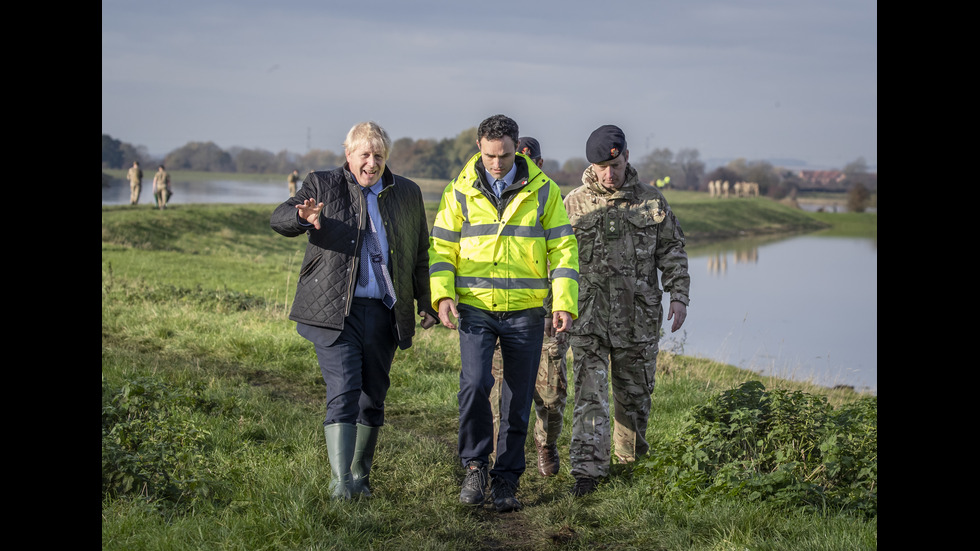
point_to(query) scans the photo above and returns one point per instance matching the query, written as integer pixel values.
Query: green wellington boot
(340, 450)
(360, 467)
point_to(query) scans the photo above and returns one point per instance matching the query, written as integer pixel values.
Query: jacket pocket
(310, 265)
(647, 313)
(643, 229)
(586, 324)
(586, 231)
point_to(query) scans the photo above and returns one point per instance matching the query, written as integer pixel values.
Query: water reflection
(804, 307)
(718, 263)
(213, 191)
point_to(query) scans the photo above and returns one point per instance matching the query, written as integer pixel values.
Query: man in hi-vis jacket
(500, 228)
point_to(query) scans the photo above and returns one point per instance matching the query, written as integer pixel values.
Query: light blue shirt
(374, 288)
(508, 178)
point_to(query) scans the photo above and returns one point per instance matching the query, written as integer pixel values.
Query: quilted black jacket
(329, 273)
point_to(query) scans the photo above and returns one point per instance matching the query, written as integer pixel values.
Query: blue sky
(756, 79)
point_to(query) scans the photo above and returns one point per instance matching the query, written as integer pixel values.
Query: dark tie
(375, 257)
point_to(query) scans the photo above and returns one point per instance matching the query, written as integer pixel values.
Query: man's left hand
(428, 320)
(561, 321)
(678, 313)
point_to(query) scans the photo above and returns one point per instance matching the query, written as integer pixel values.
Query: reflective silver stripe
(560, 231)
(502, 283)
(564, 272)
(542, 200)
(445, 235)
(442, 267)
(476, 230)
(461, 199)
(523, 231)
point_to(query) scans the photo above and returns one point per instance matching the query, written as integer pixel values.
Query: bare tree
(858, 198)
(689, 163)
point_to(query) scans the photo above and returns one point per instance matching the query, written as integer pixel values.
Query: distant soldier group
(719, 188)
(161, 185)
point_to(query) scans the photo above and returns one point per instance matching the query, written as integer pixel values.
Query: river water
(802, 307)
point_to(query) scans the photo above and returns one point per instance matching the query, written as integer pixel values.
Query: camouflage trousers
(632, 371)
(550, 391)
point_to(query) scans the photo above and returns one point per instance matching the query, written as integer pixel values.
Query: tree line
(443, 159)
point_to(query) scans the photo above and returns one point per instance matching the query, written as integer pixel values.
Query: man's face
(366, 164)
(498, 155)
(612, 173)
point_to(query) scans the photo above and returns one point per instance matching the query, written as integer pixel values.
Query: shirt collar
(377, 187)
(508, 178)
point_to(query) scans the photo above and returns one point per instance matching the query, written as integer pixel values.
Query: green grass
(704, 218)
(200, 361)
(849, 224)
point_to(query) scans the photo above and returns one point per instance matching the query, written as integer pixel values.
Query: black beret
(605, 144)
(529, 147)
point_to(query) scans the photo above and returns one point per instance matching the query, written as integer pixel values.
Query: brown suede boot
(547, 459)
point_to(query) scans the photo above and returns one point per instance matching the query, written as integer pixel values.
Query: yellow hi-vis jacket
(501, 263)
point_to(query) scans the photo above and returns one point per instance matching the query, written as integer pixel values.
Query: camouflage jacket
(135, 175)
(624, 238)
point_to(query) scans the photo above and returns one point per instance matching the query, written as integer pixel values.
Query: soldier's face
(366, 163)
(498, 155)
(612, 174)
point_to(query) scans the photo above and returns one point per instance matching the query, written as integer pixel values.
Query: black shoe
(584, 485)
(473, 484)
(502, 491)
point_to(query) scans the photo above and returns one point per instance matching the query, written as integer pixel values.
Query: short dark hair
(496, 127)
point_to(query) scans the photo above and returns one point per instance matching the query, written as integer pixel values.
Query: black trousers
(355, 362)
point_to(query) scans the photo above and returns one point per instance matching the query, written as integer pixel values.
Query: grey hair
(369, 133)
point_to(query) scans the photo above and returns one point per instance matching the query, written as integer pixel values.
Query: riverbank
(704, 219)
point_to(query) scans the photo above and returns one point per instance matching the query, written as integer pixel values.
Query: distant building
(822, 179)
(832, 180)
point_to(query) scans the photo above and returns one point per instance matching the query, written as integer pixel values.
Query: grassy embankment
(227, 399)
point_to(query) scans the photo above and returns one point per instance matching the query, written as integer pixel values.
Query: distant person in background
(551, 386)
(135, 176)
(366, 267)
(293, 179)
(629, 244)
(161, 187)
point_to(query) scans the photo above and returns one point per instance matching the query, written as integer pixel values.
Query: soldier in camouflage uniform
(161, 187)
(135, 177)
(626, 232)
(551, 385)
(292, 180)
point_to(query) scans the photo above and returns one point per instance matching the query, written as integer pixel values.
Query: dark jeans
(520, 334)
(355, 366)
